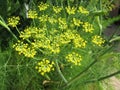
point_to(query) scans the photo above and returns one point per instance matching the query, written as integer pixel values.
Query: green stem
(34, 22)
(13, 34)
(62, 4)
(100, 18)
(111, 39)
(102, 78)
(47, 77)
(68, 2)
(60, 73)
(17, 30)
(56, 2)
(108, 76)
(100, 25)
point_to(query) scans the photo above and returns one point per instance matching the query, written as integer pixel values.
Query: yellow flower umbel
(54, 48)
(82, 10)
(98, 40)
(66, 37)
(32, 14)
(43, 18)
(13, 21)
(52, 20)
(74, 58)
(43, 6)
(87, 27)
(79, 42)
(70, 10)
(62, 23)
(57, 9)
(29, 32)
(45, 66)
(77, 22)
(25, 49)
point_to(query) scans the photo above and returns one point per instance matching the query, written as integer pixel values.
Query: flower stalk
(60, 73)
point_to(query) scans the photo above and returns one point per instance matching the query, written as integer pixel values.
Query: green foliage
(3, 8)
(17, 72)
(110, 21)
(66, 36)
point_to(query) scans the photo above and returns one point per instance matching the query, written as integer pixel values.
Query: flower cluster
(32, 14)
(74, 58)
(45, 66)
(51, 34)
(98, 40)
(79, 42)
(87, 27)
(77, 22)
(13, 21)
(83, 10)
(43, 6)
(25, 49)
(70, 10)
(57, 9)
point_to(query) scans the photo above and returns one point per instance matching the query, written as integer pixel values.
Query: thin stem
(13, 34)
(110, 39)
(108, 76)
(60, 73)
(68, 2)
(56, 2)
(62, 4)
(34, 22)
(99, 23)
(100, 18)
(17, 30)
(103, 78)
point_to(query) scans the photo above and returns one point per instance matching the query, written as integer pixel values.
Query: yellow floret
(74, 58)
(43, 18)
(79, 42)
(70, 10)
(82, 10)
(57, 9)
(77, 22)
(98, 40)
(13, 21)
(45, 66)
(43, 6)
(87, 27)
(32, 14)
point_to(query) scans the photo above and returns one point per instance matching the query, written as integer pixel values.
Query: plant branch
(59, 71)
(102, 78)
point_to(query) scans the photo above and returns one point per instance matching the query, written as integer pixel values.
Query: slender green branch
(102, 78)
(17, 30)
(99, 18)
(108, 76)
(68, 2)
(60, 73)
(12, 34)
(62, 3)
(111, 39)
(99, 23)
